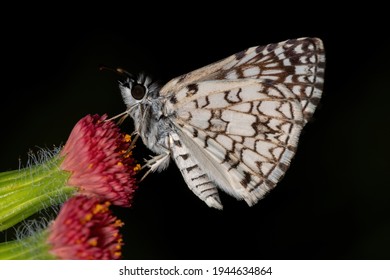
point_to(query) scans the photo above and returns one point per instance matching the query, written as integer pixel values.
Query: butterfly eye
(138, 91)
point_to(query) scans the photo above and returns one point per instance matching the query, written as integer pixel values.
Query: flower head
(95, 162)
(85, 229)
(96, 155)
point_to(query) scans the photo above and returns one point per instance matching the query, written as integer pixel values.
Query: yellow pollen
(90, 165)
(127, 138)
(137, 167)
(93, 242)
(119, 163)
(88, 217)
(119, 223)
(127, 154)
(118, 254)
(100, 208)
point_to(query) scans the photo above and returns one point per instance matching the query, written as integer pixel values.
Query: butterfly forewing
(299, 64)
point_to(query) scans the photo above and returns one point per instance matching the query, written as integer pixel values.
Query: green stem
(29, 248)
(29, 190)
(17, 179)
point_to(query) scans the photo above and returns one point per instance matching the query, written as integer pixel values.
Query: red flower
(96, 154)
(85, 230)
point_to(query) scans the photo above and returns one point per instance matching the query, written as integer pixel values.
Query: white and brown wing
(238, 121)
(242, 134)
(298, 63)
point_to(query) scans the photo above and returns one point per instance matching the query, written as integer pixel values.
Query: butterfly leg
(159, 163)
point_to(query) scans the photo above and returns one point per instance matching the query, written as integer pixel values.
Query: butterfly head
(134, 90)
(140, 95)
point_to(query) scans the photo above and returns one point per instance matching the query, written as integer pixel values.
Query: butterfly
(233, 125)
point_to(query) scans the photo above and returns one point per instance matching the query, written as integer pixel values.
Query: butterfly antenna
(124, 72)
(119, 71)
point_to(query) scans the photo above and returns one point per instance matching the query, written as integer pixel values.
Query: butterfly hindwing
(243, 133)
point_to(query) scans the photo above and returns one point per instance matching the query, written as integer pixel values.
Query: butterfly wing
(298, 63)
(239, 119)
(242, 134)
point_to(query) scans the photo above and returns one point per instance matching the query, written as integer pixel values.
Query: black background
(333, 202)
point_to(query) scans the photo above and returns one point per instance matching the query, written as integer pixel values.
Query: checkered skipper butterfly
(233, 125)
